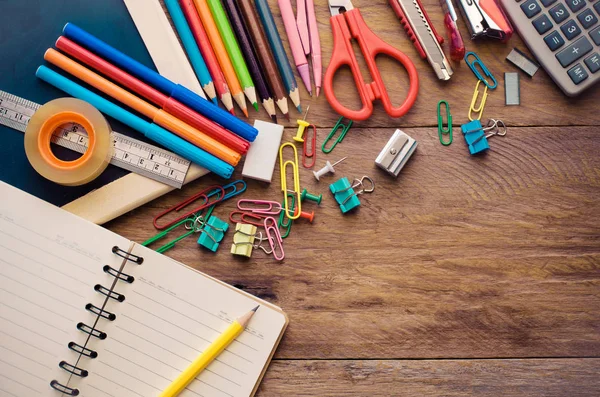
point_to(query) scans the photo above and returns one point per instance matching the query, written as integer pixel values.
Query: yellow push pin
(302, 124)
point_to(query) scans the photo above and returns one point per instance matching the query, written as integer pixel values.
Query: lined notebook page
(170, 314)
(50, 261)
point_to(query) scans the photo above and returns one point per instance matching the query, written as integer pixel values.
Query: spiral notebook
(86, 312)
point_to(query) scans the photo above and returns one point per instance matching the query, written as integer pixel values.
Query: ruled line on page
(19, 383)
(36, 304)
(29, 315)
(33, 332)
(26, 357)
(29, 344)
(22, 370)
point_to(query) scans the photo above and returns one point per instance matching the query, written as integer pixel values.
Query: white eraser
(261, 157)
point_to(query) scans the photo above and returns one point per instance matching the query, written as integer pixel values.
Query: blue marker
(177, 91)
(189, 43)
(150, 130)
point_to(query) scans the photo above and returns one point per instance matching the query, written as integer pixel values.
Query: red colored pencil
(191, 15)
(168, 104)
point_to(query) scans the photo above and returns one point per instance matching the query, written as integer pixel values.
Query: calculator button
(593, 62)
(597, 7)
(554, 41)
(542, 24)
(570, 29)
(574, 51)
(595, 35)
(547, 3)
(577, 73)
(531, 8)
(587, 19)
(559, 13)
(575, 5)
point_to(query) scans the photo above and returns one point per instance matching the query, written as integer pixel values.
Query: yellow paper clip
(291, 214)
(478, 109)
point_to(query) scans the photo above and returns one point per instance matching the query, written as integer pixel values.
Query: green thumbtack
(306, 195)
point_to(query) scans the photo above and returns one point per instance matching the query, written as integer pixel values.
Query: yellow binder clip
(283, 165)
(479, 109)
(243, 239)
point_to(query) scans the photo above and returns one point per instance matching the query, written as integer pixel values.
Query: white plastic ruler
(129, 153)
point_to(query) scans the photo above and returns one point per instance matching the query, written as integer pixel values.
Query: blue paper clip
(231, 190)
(345, 195)
(477, 136)
(212, 234)
(484, 69)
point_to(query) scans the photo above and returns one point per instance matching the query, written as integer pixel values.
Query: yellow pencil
(211, 352)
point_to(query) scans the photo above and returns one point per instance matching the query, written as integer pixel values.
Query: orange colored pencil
(157, 115)
(219, 47)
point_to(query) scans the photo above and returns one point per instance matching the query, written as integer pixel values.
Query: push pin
(302, 124)
(327, 169)
(306, 215)
(477, 136)
(312, 197)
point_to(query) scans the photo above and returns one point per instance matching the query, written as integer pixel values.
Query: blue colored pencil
(176, 91)
(150, 130)
(193, 52)
(283, 63)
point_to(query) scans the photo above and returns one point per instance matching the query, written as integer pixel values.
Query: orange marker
(157, 115)
(217, 43)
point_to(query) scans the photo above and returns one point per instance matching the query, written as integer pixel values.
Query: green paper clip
(441, 130)
(339, 125)
(287, 226)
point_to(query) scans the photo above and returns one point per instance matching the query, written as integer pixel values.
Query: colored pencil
(291, 28)
(287, 75)
(149, 76)
(170, 105)
(234, 51)
(185, 34)
(265, 56)
(239, 27)
(150, 130)
(189, 10)
(157, 115)
(221, 52)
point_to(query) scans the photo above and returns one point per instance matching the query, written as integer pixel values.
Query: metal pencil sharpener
(396, 153)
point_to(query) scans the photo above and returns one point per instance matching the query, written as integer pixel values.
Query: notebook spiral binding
(100, 312)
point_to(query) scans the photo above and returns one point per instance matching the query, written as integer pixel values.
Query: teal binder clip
(477, 136)
(212, 234)
(344, 193)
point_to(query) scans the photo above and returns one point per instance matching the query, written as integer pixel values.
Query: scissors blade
(337, 7)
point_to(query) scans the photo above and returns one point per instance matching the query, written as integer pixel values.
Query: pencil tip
(214, 100)
(299, 108)
(245, 112)
(255, 104)
(274, 118)
(287, 116)
(256, 308)
(232, 111)
(318, 91)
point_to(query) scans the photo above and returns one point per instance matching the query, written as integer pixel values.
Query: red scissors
(347, 23)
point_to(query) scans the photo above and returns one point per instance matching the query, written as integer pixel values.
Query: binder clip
(345, 195)
(477, 136)
(212, 234)
(243, 239)
(396, 153)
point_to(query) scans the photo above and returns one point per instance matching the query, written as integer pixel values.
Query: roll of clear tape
(38, 137)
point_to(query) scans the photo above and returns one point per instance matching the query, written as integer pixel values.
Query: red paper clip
(248, 217)
(204, 195)
(313, 152)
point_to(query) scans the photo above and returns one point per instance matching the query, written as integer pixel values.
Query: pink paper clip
(263, 207)
(274, 237)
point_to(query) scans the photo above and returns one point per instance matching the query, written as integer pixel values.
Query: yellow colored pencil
(208, 355)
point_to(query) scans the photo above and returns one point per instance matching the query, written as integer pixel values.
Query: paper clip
(447, 130)
(344, 127)
(296, 176)
(479, 109)
(313, 152)
(231, 190)
(484, 69)
(477, 136)
(287, 226)
(248, 218)
(263, 207)
(212, 233)
(201, 195)
(274, 237)
(345, 195)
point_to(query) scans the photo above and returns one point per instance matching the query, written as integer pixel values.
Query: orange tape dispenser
(38, 136)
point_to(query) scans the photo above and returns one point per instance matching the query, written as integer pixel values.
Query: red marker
(457, 46)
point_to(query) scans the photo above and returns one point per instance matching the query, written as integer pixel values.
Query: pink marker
(315, 44)
(287, 13)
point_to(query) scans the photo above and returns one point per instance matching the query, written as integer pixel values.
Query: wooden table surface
(463, 276)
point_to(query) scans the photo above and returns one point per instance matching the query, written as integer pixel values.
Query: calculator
(564, 36)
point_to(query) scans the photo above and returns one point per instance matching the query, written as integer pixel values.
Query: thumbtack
(327, 169)
(306, 215)
(312, 197)
(302, 124)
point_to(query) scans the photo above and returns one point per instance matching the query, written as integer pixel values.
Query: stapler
(396, 153)
(485, 18)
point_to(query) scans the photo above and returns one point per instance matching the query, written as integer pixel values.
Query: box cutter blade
(421, 32)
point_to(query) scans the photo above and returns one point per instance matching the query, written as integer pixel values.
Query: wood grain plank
(449, 378)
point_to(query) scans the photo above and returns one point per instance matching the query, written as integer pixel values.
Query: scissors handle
(347, 26)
